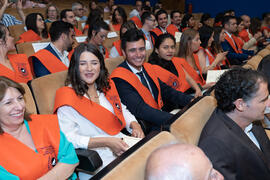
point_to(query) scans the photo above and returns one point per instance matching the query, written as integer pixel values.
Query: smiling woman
(89, 108)
(25, 152)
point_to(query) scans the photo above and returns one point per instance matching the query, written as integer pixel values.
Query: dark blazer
(233, 57)
(136, 105)
(39, 68)
(232, 152)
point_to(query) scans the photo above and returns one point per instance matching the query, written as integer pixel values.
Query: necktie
(143, 80)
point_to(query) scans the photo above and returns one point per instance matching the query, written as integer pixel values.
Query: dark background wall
(254, 8)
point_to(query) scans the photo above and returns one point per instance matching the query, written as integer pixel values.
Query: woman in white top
(89, 109)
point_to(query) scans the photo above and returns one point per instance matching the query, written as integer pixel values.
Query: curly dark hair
(237, 83)
(74, 78)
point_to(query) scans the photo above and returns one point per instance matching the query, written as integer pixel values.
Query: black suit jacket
(232, 152)
(136, 105)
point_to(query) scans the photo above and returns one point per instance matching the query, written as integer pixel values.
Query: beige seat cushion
(132, 168)
(44, 89)
(255, 61)
(189, 125)
(264, 52)
(29, 100)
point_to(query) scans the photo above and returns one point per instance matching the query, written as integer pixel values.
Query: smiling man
(233, 137)
(139, 87)
(162, 20)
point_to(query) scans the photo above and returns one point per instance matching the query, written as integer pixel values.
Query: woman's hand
(117, 145)
(136, 130)
(198, 93)
(208, 85)
(221, 56)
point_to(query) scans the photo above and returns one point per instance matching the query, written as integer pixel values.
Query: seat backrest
(255, 61)
(44, 89)
(264, 52)
(189, 125)
(133, 166)
(108, 43)
(16, 30)
(268, 47)
(29, 100)
(112, 63)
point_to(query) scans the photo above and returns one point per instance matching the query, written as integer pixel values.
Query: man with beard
(176, 18)
(67, 15)
(233, 138)
(54, 58)
(162, 19)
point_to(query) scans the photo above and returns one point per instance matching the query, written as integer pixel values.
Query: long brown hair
(185, 42)
(5, 83)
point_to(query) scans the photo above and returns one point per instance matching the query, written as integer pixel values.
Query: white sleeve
(68, 117)
(114, 53)
(128, 117)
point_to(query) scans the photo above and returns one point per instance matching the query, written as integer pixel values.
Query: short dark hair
(237, 83)
(131, 35)
(59, 27)
(121, 12)
(205, 17)
(146, 15)
(185, 20)
(161, 11)
(205, 34)
(94, 15)
(226, 19)
(63, 13)
(31, 24)
(128, 25)
(97, 26)
(173, 12)
(74, 78)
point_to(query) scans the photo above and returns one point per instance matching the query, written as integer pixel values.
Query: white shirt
(135, 71)
(80, 130)
(63, 57)
(251, 135)
(134, 12)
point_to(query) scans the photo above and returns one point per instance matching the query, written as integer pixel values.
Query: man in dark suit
(138, 85)
(233, 137)
(236, 55)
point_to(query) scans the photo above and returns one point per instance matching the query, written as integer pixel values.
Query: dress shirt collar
(134, 70)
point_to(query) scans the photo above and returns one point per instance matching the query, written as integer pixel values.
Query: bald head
(246, 21)
(180, 161)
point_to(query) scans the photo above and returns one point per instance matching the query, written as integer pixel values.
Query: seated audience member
(93, 4)
(89, 109)
(78, 10)
(176, 19)
(139, 87)
(190, 44)
(235, 55)
(97, 34)
(250, 40)
(95, 15)
(54, 58)
(149, 22)
(169, 69)
(137, 20)
(162, 20)
(36, 29)
(109, 6)
(30, 4)
(156, 8)
(7, 19)
(119, 17)
(219, 37)
(159, 4)
(188, 22)
(52, 14)
(229, 12)
(180, 161)
(206, 20)
(266, 27)
(218, 20)
(32, 146)
(206, 59)
(13, 66)
(263, 67)
(136, 11)
(233, 138)
(67, 15)
(255, 30)
(116, 50)
(147, 3)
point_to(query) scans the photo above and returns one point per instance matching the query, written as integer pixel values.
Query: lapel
(232, 43)
(242, 138)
